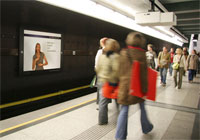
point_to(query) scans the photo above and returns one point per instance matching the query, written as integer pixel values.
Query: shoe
(148, 129)
(175, 86)
(105, 123)
(164, 85)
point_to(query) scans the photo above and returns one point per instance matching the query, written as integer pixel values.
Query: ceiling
(188, 15)
(187, 12)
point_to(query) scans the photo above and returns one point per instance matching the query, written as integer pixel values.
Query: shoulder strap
(180, 57)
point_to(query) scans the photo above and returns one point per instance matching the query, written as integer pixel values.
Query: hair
(185, 48)
(150, 45)
(111, 46)
(135, 39)
(195, 51)
(164, 47)
(36, 47)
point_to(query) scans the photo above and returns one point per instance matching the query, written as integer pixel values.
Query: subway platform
(175, 116)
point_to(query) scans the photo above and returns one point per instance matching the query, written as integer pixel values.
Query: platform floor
(175, 116)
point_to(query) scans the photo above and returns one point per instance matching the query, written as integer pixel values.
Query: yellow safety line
(42, 97)
(44, 117)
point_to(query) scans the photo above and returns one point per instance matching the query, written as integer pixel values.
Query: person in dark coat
(192, 65)
(135, 42)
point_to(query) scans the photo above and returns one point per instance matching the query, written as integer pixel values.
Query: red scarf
(138, 48)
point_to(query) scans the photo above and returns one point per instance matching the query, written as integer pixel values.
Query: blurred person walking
(107, 71)
(135, 42)
(99, 53)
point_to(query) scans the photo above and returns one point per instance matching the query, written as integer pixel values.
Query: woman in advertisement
(38, 58)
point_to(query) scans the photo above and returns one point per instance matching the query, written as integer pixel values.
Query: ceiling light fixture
(90, 8)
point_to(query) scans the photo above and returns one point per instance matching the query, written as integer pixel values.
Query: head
(179, 51)
(172, 50)
(164, 49)
(135, 39)
(102, 42)
(37, 47)
(111, 45)
(193, 51)
(150, 47)
(185, 49)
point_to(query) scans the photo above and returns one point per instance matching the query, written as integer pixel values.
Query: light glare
(92, 9)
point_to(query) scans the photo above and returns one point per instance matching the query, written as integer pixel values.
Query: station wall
(81, 34)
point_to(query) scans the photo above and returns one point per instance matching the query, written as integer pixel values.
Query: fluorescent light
(90, 8)
(164, 30)
(120, 6)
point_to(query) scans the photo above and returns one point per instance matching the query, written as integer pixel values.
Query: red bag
(109, 91)
(135, 84)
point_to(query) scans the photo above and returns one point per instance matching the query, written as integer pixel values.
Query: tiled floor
(175, 115)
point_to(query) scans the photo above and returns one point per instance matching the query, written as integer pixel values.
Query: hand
(40, 64)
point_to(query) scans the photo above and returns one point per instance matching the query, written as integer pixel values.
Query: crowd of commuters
(114, 65)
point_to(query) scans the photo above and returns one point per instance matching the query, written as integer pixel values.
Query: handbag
(135, 83)
(175, 66)
(93, 82)
(109, 91)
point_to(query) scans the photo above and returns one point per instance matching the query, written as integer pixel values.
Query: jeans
(103, 106)
(170, 69)
(191, 74)
(122, 122)
(97, 101)
(163, 75)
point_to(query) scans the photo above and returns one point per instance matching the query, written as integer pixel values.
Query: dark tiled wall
(81, 33)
